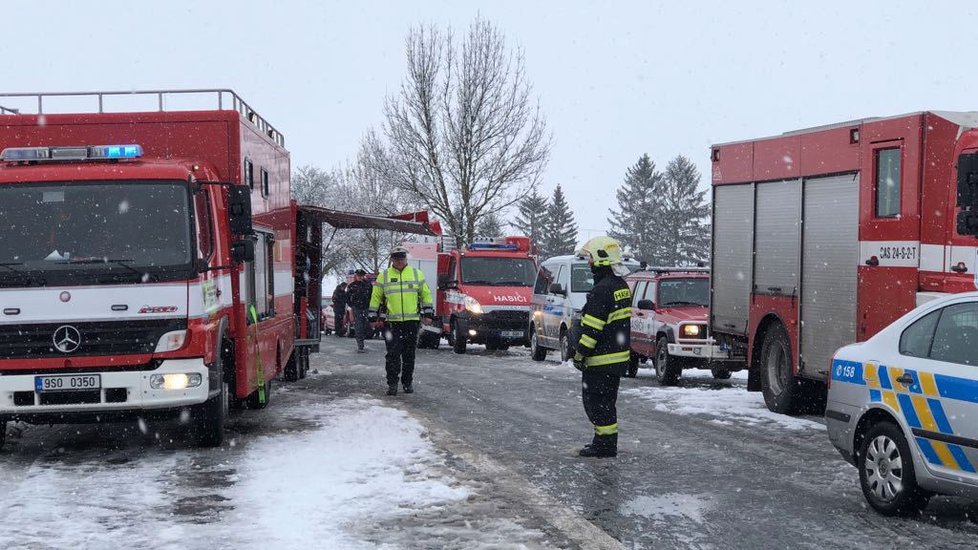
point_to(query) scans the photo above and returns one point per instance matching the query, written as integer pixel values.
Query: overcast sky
(614, 79)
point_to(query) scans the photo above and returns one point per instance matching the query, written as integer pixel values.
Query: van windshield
(74, 231)
(498, 271)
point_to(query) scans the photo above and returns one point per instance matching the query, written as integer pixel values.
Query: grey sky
(615, 79)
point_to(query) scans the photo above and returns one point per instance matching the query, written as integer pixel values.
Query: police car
(903, 406)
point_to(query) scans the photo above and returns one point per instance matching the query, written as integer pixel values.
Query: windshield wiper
(121, 262)
(9, 265)
(511, 283)
(23, 279)
(671, 304)
(477, 282)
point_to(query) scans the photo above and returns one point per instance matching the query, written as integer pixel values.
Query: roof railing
(226, 99)
(677, 269)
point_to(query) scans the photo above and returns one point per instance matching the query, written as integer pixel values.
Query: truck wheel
(458, 345)
(537, 353)
(631, 371)
(778, 383)
(566, 352)
(292, 367)
(886, 472)
(667, 368)
(210, 416)
(720, 373)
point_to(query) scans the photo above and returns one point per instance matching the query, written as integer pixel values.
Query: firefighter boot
(408, 388)
(392, 389)
(602, 446)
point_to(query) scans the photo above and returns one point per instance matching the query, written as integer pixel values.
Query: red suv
(670, 311)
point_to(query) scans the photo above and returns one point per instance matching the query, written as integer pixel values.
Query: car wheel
(537, 353)
(565, 347)
(631, 371)
(667, 368)
(720, 373)
(886, 472)
(459, 340)
(778, 383)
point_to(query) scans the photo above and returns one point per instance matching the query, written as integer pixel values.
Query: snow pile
(668, 507)
(725, 405)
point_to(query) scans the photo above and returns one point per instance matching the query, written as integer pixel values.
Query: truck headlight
(171, 341)
(692, 331)
(179, 381)
(473, 305)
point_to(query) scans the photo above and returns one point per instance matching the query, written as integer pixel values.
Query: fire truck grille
(506, 319)
(93, 338)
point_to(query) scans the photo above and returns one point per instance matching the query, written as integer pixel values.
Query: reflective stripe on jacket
(606, 323)
(404, 292)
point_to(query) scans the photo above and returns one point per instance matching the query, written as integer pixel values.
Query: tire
(778, 383)
(720, 373)
(459, 339)
(631, 370)
(293, 370)
(3, 433)
(492, 344)
(210, 416)
(253, 401)
(566, 351)
(537, 353)
(303, 361)
(891, 490)
(667, 368)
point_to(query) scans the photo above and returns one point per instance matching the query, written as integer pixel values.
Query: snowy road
(483, 455)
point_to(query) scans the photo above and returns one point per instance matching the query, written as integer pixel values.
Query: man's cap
(360, 272)
(399, 252)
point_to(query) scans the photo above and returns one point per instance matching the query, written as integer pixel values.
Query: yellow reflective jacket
(405, 292)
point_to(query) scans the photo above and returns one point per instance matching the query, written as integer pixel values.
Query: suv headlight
(473, 305)
(692, 331)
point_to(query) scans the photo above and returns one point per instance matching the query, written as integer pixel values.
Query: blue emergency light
(49, 154)
(493, 246)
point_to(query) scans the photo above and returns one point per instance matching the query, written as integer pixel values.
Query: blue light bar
(115, 151)
(73, 153)
(492, 246)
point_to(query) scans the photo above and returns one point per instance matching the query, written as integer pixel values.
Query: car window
(582, 280)
(918, 337)
(638, 292)
(956, 336)
(562, 277)
(544, 278)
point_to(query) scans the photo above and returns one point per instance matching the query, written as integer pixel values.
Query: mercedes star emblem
(67, 339)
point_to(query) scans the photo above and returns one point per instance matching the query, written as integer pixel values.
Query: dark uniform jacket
(606, 323)
(359, 292)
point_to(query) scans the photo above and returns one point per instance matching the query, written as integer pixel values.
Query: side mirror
(646, 304)
(243, 250)
(445, 283)
(239, 210)
(555, 288)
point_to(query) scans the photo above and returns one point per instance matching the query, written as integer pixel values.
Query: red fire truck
(153, 262)
(823, 236)
(483, 293)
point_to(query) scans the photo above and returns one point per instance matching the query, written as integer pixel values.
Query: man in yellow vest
(407, 298)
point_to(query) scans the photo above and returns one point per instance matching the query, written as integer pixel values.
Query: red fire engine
(483, 292)
(822, 237)
(153, 262)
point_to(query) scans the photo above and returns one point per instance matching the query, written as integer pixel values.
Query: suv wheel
(537, 353)
(667, 368)
(565, 347)
(459, 339)
(886, 472)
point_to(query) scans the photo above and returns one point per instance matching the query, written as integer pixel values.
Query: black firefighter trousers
(599, 389)
(402, 341)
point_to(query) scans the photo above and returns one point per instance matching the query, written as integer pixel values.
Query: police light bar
(492, 246)
(52, 154)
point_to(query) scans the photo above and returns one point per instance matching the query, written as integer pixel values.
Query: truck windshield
(498, 271)
(71, 233)
(684, 292)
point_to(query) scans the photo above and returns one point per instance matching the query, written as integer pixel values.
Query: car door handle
(906, 380)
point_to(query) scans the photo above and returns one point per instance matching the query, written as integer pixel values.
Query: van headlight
(692, 331)
(473, 305)
(171, 341)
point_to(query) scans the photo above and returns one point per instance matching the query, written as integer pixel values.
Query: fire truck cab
(823, 236)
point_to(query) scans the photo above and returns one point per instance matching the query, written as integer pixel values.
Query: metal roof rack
(227, 99)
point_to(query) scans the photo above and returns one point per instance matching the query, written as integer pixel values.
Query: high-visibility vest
(404, 292)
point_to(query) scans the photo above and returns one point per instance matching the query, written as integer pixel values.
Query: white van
(559, 295)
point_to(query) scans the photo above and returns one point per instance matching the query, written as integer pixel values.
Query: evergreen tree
(685, 227)
(489, 227)
(636, 224)
(530, 217)
(560, 230)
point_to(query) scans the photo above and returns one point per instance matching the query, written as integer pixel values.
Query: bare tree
(465, 137)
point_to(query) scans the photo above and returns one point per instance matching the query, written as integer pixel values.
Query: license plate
(68, 382)
(511, 333)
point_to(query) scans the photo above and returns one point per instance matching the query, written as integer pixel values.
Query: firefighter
(340, 298)
(408, 299)
(359, 293)
(603, 344)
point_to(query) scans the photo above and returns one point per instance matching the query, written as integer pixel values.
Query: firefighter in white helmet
(602, 347)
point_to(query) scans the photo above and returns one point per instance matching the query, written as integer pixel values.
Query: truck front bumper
(122, 393)
(706, 352)
(509, 327)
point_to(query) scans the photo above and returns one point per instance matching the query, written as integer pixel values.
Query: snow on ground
(363, 466)
(725, 404)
